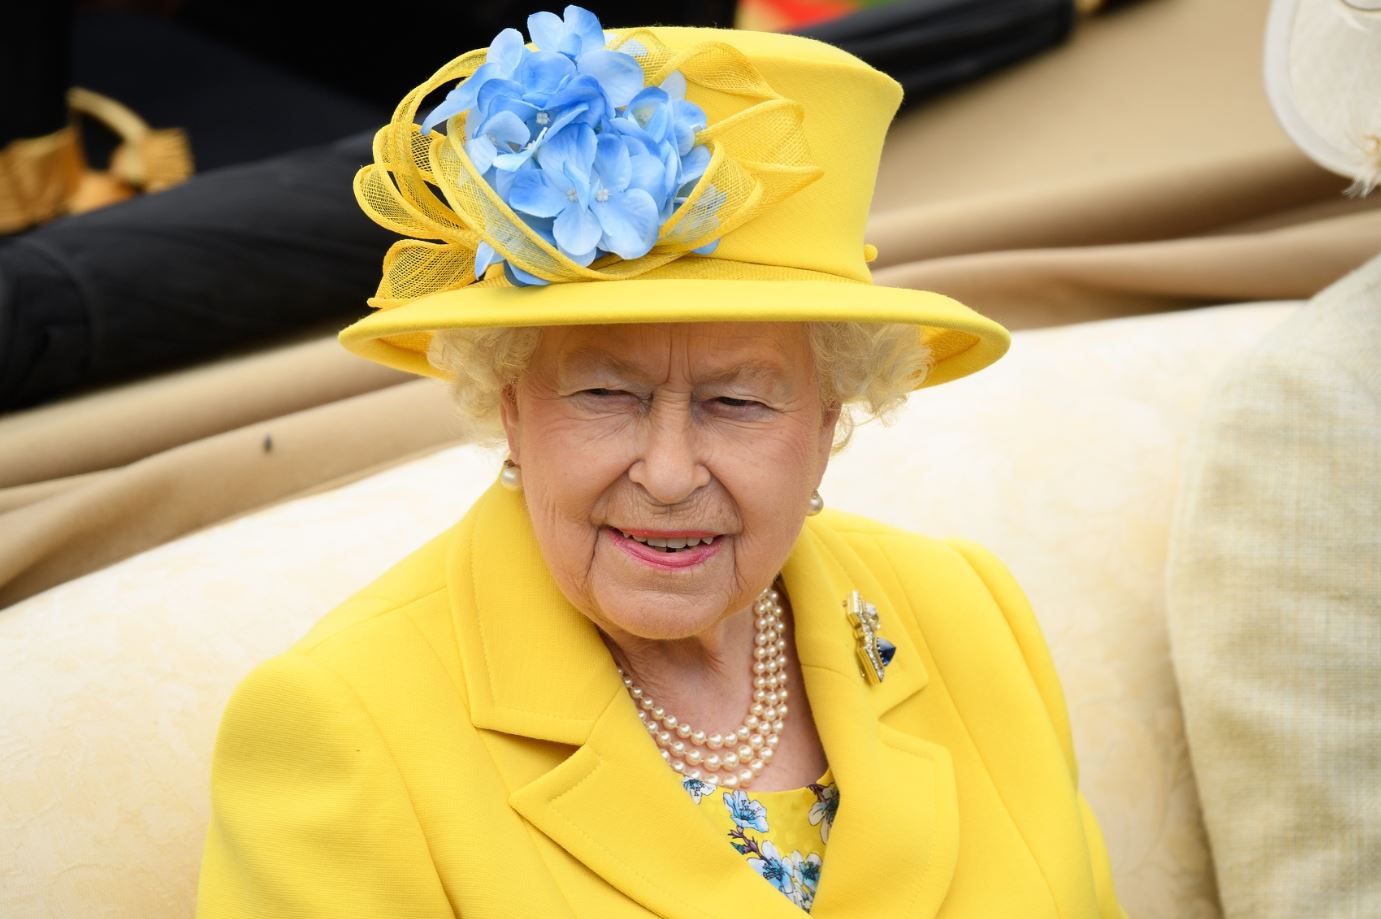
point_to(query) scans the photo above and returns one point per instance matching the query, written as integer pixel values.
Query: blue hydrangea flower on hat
(571, 139)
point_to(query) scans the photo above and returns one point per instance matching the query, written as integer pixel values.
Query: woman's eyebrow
(766, 371)
(587, 360)
(592, 360)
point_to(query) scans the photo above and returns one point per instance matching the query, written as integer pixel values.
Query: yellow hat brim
(961, 340)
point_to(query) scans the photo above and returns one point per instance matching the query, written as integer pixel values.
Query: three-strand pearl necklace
(735, 758)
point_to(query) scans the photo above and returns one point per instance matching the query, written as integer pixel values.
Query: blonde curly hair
(866, 368)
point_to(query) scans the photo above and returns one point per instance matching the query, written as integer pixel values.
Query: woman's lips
(660, 558)
(667, 534)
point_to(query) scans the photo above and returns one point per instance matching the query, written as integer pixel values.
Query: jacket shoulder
(919, 565)
(962, 572)
(861, 533)
(847, 522)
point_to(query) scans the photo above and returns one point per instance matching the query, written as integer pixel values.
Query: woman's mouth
(672, 543)
(682, 549)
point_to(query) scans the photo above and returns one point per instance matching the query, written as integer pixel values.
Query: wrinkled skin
(713, 427)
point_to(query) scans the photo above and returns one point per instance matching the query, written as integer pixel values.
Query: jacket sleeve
(309, 815)
(1022, 620)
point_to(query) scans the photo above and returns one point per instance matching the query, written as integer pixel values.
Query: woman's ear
(829, 421)
(508, 414)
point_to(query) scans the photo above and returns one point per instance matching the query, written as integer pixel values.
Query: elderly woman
(648, 673)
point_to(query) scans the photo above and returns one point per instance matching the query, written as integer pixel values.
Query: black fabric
(35, 68)
(163, 280)
(234, 107)
(44, 346)
(291, 34)
(931, 45)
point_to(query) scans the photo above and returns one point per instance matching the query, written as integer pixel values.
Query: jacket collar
(894, 841)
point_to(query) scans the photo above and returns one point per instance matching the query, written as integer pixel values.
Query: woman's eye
(604, 394)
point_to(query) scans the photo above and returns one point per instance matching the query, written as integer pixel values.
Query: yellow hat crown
(763, 151)
(795, 129)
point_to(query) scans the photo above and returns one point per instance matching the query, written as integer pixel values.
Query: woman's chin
(654, 612)
(652, 617)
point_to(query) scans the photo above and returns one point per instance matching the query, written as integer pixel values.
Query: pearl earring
(511, 477)
(817, 504)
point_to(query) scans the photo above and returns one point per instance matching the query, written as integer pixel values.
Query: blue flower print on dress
(747, 813)
(823, 810)
(777, 870)
(805, 876)
(794, 873)
(697, 788)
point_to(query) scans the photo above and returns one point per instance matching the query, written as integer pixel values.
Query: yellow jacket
(454, 740)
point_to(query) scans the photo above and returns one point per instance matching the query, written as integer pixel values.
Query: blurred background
(250, 79)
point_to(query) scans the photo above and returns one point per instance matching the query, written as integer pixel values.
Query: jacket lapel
(615, 806)
(894, 843)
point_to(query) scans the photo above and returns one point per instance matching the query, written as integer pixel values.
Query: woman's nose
(670, 467)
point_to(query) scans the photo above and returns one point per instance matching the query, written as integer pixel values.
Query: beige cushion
(1275, 612)
(1061, 458)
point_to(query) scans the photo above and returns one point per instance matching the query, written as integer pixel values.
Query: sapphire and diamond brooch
(874, 651)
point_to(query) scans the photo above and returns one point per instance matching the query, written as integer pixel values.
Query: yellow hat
(795, 129)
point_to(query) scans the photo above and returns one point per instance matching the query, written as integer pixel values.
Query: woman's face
(671, 432)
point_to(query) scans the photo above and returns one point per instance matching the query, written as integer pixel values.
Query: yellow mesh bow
(758, 156)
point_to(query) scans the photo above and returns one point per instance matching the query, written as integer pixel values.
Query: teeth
(672, 544)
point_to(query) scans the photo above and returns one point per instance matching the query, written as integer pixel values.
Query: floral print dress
(781, 834)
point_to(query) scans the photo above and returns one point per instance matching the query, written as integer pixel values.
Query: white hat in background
(1323, 77)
